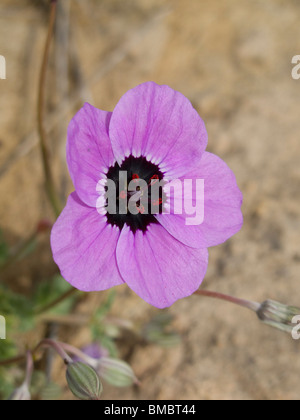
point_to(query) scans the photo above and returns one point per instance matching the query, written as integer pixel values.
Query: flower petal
(159, 268)
(222, 207)
(89, 151)
(84, 247)
(160, 124)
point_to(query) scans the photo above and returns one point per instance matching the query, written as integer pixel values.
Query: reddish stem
(253, 306)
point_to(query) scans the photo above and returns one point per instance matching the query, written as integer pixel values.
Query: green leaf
(50, 290)
(7, 349)
(159, 331)
(4, 250)
(40, 387)
(104, 309)
(14, 304)
(7, 385)
(51, 392)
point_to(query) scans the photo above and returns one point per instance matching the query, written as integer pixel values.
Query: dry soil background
(232, 58)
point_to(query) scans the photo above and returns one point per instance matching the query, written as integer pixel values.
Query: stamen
(141, 209)
(154, 179)
(137, 169)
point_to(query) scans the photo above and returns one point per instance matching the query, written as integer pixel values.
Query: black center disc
(137, 169)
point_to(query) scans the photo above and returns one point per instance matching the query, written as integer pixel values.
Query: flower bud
(278, 315)
(116, 372)
(84, 382)
(158, 331)
(21, 394)
(94, 351)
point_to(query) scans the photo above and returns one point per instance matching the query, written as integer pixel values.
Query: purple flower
(94, 350)
(153, 134)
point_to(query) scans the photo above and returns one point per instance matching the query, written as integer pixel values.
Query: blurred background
(232, 59)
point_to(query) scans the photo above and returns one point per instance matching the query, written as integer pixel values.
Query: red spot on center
(157, 202)
(154, 179)
(123, 195)
(141, 209)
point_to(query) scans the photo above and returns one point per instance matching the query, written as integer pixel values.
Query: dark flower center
(137, 184)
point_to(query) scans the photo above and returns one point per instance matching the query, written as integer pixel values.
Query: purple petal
(84, 247)
(89, 151)
(222, 207)
(159, 268)
(160, 124)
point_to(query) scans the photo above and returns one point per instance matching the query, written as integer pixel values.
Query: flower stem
(78, 353)
(25, 245)
(14, 360)
(29, 368)
(57, 347)
(57, 301)
(46, 343)
(253, 306)
(73, 350)
(49, 183)
(19, 251)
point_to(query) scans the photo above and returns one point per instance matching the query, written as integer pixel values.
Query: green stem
(56, 302)
(49, 183)
(13, 360)
(18, 251)
(21, 249)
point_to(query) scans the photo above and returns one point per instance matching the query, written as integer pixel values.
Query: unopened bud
(21, 394)
(84, 382)
(278, 315)
(116, 372)
(158, 331)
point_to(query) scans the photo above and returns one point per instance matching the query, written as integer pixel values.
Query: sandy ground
(233, 60)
